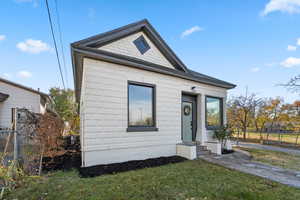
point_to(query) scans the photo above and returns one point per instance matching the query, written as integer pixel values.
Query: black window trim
(142, 128)
(141, 39)
(221, 112)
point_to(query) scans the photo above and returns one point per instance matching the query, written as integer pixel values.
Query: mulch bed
(67, 161)
(225, 151)
(72, 160)
(128, 166)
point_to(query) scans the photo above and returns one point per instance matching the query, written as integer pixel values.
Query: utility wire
(54, 41)
(61, 43)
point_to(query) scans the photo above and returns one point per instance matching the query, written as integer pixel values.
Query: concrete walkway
(269, 147)
(241, 161)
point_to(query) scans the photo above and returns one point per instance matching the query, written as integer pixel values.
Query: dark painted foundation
(128, 166)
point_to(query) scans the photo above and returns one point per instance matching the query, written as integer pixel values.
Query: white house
(138, 100)
(14, 95)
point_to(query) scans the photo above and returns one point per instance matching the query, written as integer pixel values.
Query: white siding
(104, 113)
(125, 46)
(18, 98)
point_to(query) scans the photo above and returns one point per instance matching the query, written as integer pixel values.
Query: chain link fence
(19, 143)
(6, 145)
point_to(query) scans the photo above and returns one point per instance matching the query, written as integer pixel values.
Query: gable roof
(116, 34)
(88, 48)
(44, 95)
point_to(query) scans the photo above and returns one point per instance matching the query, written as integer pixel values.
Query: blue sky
(247, 42)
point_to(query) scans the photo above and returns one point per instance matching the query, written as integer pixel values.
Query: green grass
(188, 180)
(276, 158)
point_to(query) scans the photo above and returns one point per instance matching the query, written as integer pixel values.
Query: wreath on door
(186, 110)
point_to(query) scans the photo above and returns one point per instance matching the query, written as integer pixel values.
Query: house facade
(138, 100)
(14, 95)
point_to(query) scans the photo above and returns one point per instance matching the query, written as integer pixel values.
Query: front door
(189, 118)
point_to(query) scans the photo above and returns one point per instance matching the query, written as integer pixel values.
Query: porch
(201, 114)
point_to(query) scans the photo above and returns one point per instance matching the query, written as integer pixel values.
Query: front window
(141, 106)
(214, 112)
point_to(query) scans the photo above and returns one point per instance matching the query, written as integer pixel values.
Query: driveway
(241, 161)
(269, 147)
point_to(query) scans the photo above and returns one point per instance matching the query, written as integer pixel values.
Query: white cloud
(2, 37)
(298, 41)
(291, 48)
(24, 74)
(255, 69)
(6, 75)
(284, 6)
(191, 30)
(33, 46)
(290, 62)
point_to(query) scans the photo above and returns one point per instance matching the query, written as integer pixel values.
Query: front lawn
(281, 159)
(187, 180)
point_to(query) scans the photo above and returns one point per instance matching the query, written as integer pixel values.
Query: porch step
(201, 153)
(202, 150)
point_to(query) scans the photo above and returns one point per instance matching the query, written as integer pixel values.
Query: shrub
(11, 176)
(223, 134)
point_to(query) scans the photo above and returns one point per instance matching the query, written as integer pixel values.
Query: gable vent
(141, 44)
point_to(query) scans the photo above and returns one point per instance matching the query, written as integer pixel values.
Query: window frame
(221, 113)
(137, 41)
(131, 128)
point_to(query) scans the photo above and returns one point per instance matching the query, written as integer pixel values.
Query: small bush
(223, 134)
(11, 177)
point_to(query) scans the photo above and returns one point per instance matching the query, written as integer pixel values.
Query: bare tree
(232, 119)
(244, 108)
(275, 109)
(261, 117)
(293, 84)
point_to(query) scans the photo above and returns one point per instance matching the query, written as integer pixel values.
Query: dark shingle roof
(211, 79)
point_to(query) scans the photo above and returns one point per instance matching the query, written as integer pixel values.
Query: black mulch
(72, 160)
(127, 166)
(225, 151)
(66, 161)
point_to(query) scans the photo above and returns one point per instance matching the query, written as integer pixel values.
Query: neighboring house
(138, 100)
(14, 95)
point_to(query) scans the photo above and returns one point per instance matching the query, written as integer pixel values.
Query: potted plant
(223, 134)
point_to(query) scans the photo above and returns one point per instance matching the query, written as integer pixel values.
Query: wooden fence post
(15, 134)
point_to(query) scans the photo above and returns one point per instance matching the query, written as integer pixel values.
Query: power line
(54, 41)
(61, 43)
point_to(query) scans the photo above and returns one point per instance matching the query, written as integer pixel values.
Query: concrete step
(200, 147)
(203, 152)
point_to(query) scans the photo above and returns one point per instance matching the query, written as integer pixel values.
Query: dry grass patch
(276, 158)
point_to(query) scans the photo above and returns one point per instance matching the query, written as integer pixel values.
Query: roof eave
(78, 53)
(23, 87)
